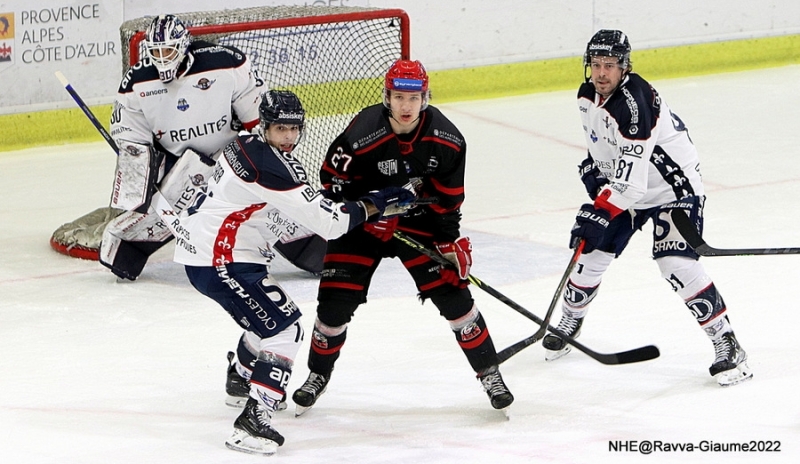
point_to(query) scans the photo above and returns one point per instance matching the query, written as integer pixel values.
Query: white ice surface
(93, 371)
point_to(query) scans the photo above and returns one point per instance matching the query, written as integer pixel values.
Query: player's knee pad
(327, 340)
(577, 299)
(336, 312)
(453, 303)
(686, 275)
(247, 353)
(274, 364)
(470, 329)
(590, 268)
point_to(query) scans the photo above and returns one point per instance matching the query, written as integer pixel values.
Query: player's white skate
(730, 366)
(554, 346)
(252, 432)
(307, 394)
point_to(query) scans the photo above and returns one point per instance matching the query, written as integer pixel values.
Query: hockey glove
(591, 177)
(391, 201)
(383, 229)
(590, 225)
(460, 254)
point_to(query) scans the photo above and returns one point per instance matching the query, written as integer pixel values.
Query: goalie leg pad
(129, 240)
(187, 178)
(81, 238)
(137, 172)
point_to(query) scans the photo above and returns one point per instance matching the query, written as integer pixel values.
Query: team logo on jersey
(159, 134)
(204, 84)
(593, 136)
(198, 180)
(387, 168)
(182, 104)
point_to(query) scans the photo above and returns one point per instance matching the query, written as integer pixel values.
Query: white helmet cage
(166, 41)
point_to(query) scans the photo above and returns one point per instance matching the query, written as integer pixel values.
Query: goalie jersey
(194, 111)
(257, 194)
(640, 145)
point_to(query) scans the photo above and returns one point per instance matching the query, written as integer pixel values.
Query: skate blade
(550, 355)
(246, 443)
(236, 401)
(300, 410)
(734, 376)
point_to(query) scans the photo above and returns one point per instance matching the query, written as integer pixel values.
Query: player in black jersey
(402, 141)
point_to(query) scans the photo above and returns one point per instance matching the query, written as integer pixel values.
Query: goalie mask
(407, 76)
(166, 41)
(284, 108)
(609, 43)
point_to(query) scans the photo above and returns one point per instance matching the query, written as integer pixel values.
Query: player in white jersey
(641, 165)
(257, 194)
(183, 102)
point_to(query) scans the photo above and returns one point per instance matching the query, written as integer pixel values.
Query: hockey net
(333, 58)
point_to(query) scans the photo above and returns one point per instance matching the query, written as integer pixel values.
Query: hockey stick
(82, 105)
(644, 353)
(522, 344)
(690, 234)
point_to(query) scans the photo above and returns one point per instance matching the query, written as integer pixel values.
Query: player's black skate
(730, 366)
(238, 388)
(307, 395)
(554, 346)
(252, 432)
(495, 388)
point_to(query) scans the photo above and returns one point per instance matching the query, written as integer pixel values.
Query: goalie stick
(635, 355)
(690, 234)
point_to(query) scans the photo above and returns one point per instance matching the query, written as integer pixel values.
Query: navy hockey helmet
(607, 42)
(281, 107)
(407, 76)
(166, 41)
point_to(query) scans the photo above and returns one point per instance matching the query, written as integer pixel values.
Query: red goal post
(333, 58)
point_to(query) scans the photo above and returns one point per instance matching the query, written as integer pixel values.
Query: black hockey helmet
(282, 107)
(607, 42)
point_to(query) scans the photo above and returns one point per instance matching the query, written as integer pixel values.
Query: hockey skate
(307, 395)
(495, 388)
(238, 388)
(554, 346)
(252, 432)
(730, 366)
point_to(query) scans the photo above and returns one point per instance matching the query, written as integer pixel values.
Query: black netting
(336, 68)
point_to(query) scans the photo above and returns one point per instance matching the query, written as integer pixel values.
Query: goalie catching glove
(459, 253)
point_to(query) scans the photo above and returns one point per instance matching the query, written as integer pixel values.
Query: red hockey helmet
(406, 76)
